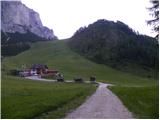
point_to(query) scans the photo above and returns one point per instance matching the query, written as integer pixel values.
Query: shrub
(93, 79)
(78, 79)
(60, 80)
(14, 72)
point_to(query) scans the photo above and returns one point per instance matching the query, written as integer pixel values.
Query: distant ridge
(116, 44)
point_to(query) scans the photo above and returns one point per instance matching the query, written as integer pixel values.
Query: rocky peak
(16, 17)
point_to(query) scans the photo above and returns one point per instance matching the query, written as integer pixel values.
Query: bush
(60, 80)
(78, 79)
(93, 79)
(14, 72)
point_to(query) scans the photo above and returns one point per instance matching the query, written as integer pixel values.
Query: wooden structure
(43, 69)
(38, 69)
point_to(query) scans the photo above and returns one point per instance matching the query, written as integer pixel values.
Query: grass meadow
(142, 101)
(23, 98)
(31, 99)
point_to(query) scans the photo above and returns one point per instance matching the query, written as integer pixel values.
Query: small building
(42, 69)
(39, 68)
(25, 73)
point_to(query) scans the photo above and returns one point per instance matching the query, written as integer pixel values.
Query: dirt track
(103, 104)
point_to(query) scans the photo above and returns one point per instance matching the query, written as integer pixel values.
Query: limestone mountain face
(16, 17)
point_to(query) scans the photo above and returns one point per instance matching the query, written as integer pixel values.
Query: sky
(66, 16)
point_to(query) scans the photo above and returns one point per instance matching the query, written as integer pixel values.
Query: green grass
(142, 101)
(49, 77)
(57, 55)
(29, 99)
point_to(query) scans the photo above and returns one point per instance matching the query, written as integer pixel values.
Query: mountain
(16, 17)
(21, 26)
(117, 45)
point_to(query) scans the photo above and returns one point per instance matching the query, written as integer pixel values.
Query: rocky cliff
(16, 17)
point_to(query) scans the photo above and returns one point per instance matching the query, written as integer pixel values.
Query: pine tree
(154, 12)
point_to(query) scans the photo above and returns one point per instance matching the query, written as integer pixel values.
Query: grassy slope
(28, 99)
(57, 55)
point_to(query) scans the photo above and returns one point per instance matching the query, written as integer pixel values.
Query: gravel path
(103, 104)
(36, 78)
(39, 79)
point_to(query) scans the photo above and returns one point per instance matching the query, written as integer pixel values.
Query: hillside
(117, 45)
(59, 98)
(58, 55)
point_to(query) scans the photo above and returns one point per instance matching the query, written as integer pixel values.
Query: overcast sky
(66, 16)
